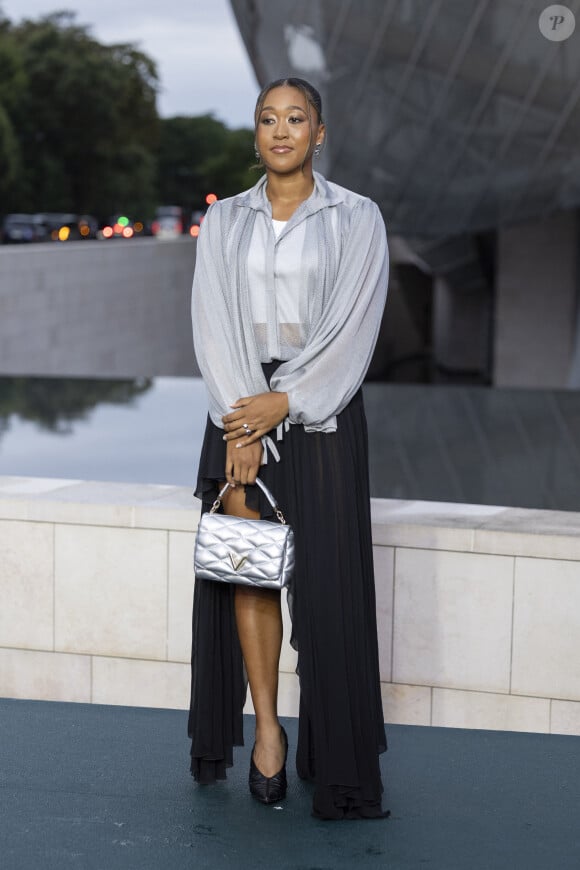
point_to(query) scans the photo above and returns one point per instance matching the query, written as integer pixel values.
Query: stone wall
(102, 309)
(478, 607)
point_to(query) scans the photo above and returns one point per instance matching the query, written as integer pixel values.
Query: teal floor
(108, 788)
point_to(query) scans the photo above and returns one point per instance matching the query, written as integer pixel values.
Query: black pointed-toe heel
(269, 789)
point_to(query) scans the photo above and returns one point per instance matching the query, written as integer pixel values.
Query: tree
(11, 87)
(185, 143)
(199, 155)
(233, 168)
(86, 122)
(79, 129)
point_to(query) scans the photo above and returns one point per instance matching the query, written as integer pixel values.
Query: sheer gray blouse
(313, 297)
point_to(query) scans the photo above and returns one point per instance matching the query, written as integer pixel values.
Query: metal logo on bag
(237, 561)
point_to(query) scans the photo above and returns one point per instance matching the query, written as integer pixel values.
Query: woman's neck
(286, 193)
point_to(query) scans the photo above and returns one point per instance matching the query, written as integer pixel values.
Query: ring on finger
(246, 428)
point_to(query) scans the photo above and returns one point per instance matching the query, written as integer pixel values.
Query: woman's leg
(259, 623)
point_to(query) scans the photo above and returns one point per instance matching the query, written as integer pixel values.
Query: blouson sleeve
(323, 378)
(214, 349)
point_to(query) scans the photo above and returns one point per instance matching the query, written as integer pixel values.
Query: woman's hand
(242, 463)
(260, 413)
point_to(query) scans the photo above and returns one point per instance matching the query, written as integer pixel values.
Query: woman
(288, 293)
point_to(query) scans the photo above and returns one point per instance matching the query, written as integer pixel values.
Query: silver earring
(257, 153)
(317, 150)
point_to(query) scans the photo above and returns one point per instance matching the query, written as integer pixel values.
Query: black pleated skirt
(322, 485)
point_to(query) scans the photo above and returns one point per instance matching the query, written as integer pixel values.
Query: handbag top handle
(266, 492)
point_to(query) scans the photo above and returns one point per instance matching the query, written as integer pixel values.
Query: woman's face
(285, 137)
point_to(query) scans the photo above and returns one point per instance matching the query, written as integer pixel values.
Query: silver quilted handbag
(237, 550)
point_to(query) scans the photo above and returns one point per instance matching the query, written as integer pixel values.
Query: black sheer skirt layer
(321, 483)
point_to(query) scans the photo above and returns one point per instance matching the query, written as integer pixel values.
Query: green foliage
(185, 144)
(84, 118)
(9, 155)
(11, 85)
(84, 113)
(199, 156)
(230, 170)
(79, 129)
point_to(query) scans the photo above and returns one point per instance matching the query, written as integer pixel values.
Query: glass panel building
(461, 118)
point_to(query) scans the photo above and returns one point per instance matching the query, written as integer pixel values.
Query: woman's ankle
(267, 729)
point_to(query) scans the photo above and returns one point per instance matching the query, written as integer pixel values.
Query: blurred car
(54, 221)
(118, 227)
(195, 222)
(88, 226)
(67, 227)
(142, 228)
(21, 228)
(168, 222)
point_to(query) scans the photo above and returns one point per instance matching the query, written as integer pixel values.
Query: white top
(275, 272)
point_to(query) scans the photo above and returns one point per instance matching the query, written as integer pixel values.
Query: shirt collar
(323, 195)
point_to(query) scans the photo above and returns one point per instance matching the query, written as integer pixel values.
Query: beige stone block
(31, 486)
(26, 581)
(138, 683)
(156, 506)
(288, 695)
(90, 503)
(180, 599)
(249, 706)
(44, 676)
(384, 559)
(428, 537)
(546, 655)
(288, 655)
(452, 620)
(457, 709)
(533, 533)
(487, 529)
(13, 508)
(428, 525)
(565, 717)
(19, 494)
(111, 591)
(406, 705)
(169, 508)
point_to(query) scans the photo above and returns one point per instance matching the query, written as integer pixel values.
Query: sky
(202, 63)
